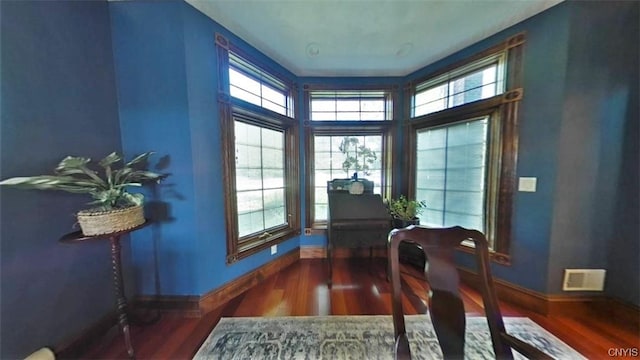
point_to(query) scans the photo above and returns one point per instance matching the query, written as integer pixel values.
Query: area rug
(358, 337)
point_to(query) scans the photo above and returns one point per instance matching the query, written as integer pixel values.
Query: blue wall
(578, 135)
(600, 122)
(166, 66)
(58, 99)
(544, 64)
(87, 78)
(150, 70)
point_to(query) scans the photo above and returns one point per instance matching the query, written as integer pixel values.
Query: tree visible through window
(340, 156)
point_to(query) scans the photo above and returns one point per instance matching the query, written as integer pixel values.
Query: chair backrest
(446, 307)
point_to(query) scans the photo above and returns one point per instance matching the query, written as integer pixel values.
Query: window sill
(274, 240)
(494, 256)
(316, 230)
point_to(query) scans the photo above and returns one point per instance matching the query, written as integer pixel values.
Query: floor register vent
(583, 280)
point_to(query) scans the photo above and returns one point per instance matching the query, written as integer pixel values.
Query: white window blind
(450, 173)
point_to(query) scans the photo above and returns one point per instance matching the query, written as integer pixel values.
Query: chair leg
(401, 348)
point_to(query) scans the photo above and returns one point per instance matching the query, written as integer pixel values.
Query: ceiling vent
(583, 280)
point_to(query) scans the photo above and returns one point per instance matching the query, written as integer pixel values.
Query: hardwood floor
(360, 288)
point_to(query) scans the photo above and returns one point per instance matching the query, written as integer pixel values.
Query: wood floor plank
(192, 342)
(359, 287)
(147, 341)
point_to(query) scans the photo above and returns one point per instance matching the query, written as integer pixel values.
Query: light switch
(527, 184)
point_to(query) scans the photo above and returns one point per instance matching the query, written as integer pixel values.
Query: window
(480, 80)
(251, 84)
(348, 132)
(350, 106)
(464, 141)
(332, 161)
(260, 155)
(260, 178)
(450, 173)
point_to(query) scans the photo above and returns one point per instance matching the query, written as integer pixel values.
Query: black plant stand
(116, 271)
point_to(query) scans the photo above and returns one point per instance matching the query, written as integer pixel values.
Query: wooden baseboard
(188, 306)
(565, 305)
(221, 295)
(568, 305)
(508, 292)
(313, 252)
(196, 306)
(619, 311)
(320, 252)
(529, 299)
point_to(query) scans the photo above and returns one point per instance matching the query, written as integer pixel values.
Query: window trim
(249, 66)
(342, 94)
(311, 132)
(499, 59)
(239, 248)
(230, 109)
(505, 106)
(343, 128)
(513, 47)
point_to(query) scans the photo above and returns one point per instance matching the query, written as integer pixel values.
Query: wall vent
(583, 280)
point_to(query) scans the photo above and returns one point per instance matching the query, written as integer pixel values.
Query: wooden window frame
(503, 149)
(230, 110)
(359, 94)
(344, 128)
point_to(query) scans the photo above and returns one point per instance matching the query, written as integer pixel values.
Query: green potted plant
(405, 212)
(113, 208)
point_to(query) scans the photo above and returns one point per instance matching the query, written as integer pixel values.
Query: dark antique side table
(116, 269)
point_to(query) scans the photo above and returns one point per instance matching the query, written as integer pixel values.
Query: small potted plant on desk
(114, 209)
(405, 212)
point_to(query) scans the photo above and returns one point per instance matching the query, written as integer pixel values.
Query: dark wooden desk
(356, 221)
(116, 268)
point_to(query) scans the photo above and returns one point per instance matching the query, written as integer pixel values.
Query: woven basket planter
(107, 222)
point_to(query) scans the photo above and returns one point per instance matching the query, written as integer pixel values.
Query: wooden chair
(446, 307)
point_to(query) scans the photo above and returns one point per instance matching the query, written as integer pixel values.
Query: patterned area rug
(358, 337)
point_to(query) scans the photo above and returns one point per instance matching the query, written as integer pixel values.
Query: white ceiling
(365, 37)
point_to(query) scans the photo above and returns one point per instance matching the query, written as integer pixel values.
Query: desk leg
(370, 259)
(330, 261)
(121, 301)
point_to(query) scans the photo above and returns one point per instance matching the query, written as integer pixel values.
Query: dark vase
(409, 253)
